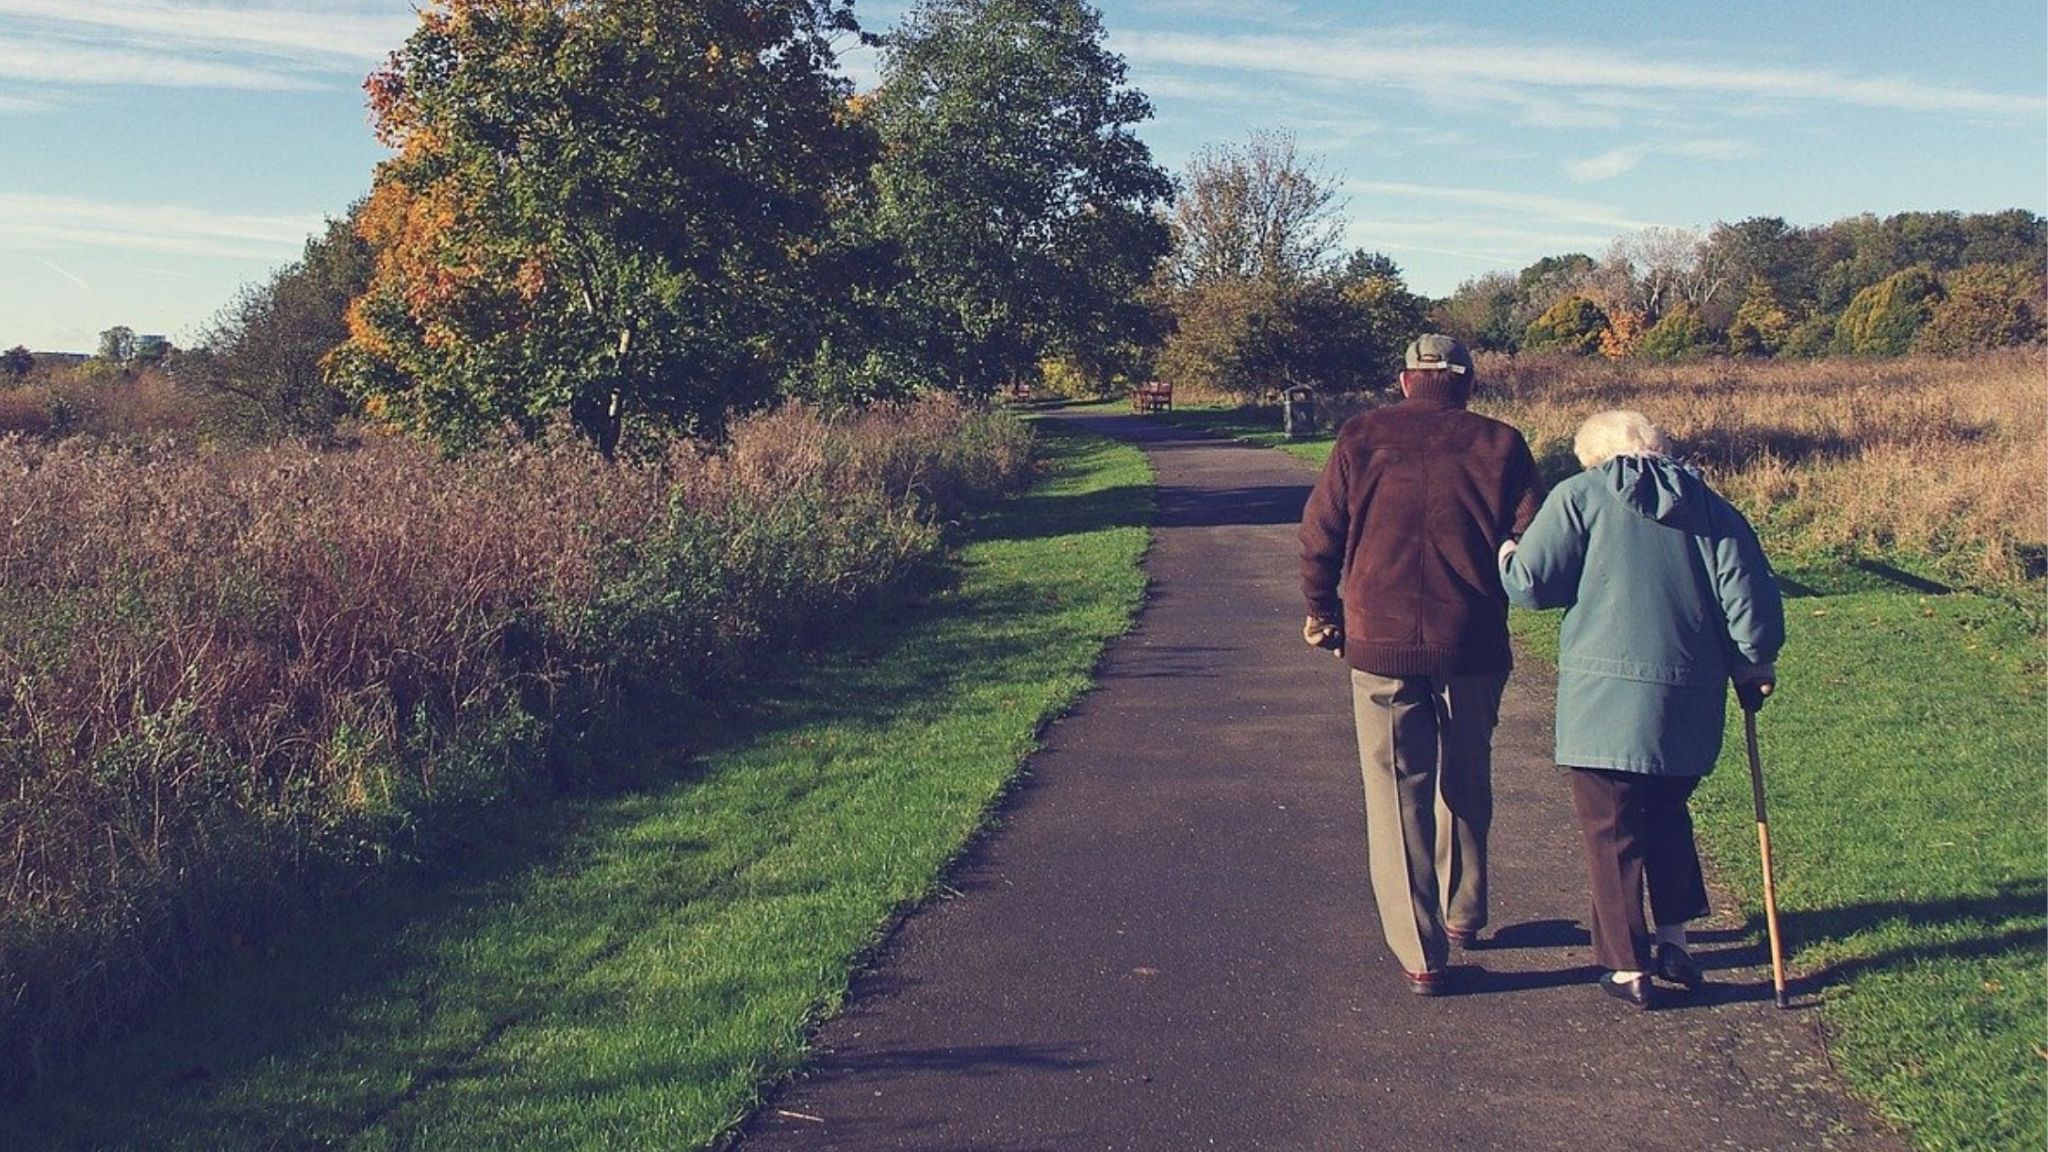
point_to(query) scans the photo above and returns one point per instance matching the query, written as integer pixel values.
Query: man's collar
(1437, 390)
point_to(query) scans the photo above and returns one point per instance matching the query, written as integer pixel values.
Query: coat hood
(1658, 488)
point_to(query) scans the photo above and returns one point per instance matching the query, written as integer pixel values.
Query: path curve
(1169, 943)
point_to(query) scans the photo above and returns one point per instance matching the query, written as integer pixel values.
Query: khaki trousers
(1425, 747)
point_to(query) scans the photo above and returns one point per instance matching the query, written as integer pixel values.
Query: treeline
(1936, 282)
(656, 215)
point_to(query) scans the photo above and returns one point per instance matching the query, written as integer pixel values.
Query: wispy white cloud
(1606, 166)
(1390, 58)
(228, 45)
(345, 33)
(1616, 161)
(1584, 213)
(29, 223)
(65, 64)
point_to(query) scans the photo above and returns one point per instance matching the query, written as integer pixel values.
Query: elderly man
(1398, 547)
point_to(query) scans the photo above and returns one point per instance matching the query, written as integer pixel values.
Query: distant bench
(1156, 396)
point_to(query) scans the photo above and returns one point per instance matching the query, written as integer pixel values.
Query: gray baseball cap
(1432, 352)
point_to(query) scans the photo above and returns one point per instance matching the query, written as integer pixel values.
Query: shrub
(1761, 326)
(1679, 335)
(1984, 306)
(228, 678)
(1881, 319)
(1574, 324)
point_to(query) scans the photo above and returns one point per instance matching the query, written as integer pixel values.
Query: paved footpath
(1169, 943)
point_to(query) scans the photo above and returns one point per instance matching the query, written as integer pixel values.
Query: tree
(17, 362)
(267, 352)
(1984, 306)
(1767, 249)
(1573, 324)
(1260, 302)
(1481, 313)
(1882, 319)
(1677, 335)
(117, 344)
(1760, 326)
(1549, 280)
(1623, 337)
(1383, 315)
(1256, 211)
(608, 207)
(1022, 204)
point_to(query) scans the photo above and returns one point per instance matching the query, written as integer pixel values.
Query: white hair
(1606, 435)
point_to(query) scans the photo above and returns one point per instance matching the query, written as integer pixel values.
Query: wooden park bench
(1154, 396)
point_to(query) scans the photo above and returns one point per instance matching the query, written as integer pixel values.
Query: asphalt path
(1169, 941)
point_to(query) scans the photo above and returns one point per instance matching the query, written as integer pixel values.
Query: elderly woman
(1667, 597)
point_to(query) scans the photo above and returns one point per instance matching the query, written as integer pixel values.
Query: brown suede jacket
(1400, 535)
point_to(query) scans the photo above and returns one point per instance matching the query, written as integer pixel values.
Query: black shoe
(1676, 966)
(1638, 992)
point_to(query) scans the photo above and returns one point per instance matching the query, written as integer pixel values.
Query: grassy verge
(629, 970)
(1903, 767)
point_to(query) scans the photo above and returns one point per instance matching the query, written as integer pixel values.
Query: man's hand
(1754, 685)
(1320, 633)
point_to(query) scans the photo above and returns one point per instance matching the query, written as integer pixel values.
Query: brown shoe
(1437, 983)
(1466, 938)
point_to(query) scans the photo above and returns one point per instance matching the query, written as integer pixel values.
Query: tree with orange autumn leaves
(608, 207)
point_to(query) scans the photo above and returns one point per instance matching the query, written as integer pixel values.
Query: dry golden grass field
(1941, 461)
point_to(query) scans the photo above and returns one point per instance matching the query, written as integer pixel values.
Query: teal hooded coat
(1666, 594)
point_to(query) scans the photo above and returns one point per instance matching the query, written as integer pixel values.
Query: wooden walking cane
(1763, 842)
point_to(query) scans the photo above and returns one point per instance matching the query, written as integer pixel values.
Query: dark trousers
(1638, 832)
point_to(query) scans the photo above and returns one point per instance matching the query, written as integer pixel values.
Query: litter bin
(1298, 412)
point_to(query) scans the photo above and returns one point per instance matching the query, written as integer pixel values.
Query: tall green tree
(608, 207)
(1022, 205)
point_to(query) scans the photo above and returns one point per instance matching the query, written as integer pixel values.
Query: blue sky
(160, 155)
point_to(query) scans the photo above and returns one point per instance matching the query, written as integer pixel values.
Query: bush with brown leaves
(224, 674)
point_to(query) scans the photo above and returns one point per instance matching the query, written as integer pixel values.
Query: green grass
(628, 970)
(1903, 767)
(1903, 776)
